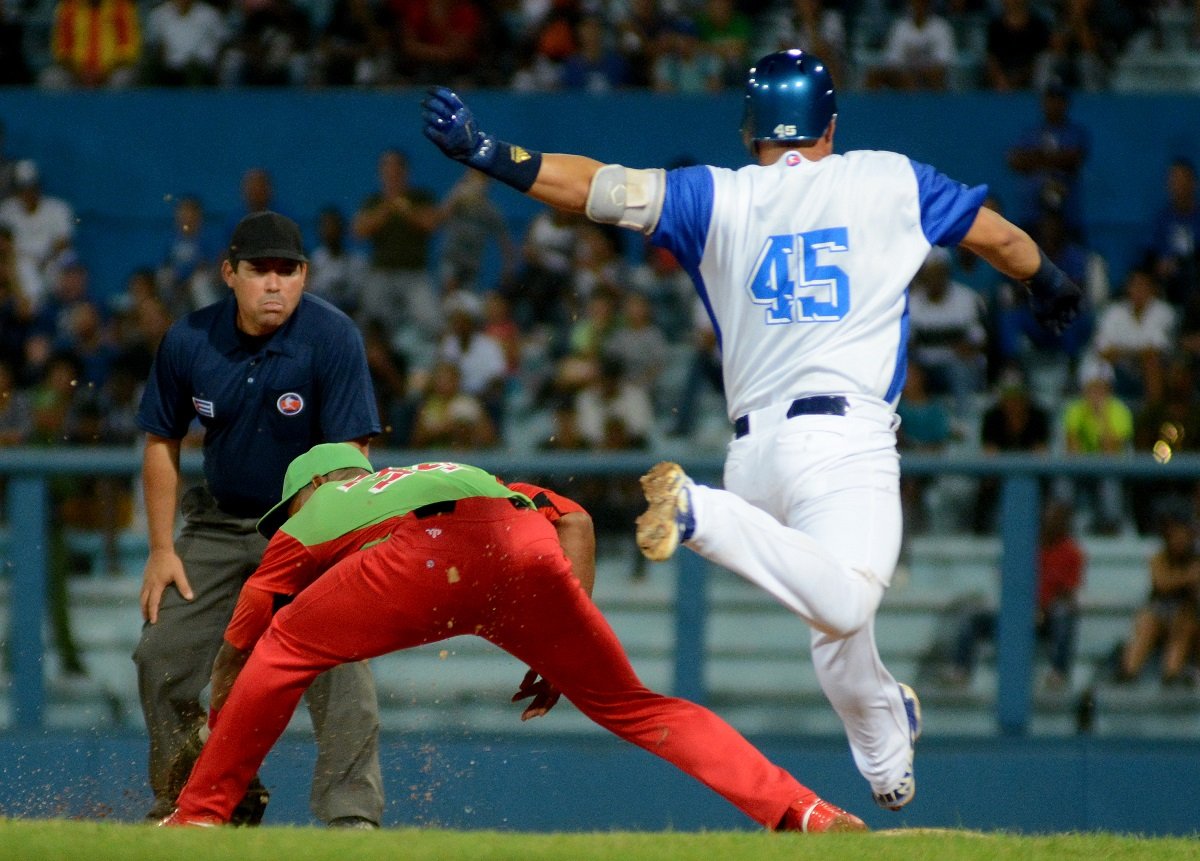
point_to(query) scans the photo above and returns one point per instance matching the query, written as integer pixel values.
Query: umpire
(268, 372)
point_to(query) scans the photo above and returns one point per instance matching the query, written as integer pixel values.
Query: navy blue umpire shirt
(262, 401)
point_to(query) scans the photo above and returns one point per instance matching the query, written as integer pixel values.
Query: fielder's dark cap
(266, 234)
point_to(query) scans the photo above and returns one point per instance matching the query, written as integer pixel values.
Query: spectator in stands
(1175, 237)
(594, 66)
(947, 336)
(661, 279)
(1135, 335)
(1164, 428)
(390, 379)
(441, 41)
(448, 417)
(272, 46)
(43, 227)
(16, 308)
(354, 48)
(1061, 564)
(184, 40)
(90, 339)
(14, 65)
(94, 43)
(638, 344)
(597, 264)
(53, 406)
(16, 411)
(471, 223)
(924, 429)
(565, 434)
(683, 65)
(540, 291)
(499, 324)
(615, 413)
(481, 363)
(639, 26)
(397, 221)
(1049, 158)
(1014, 423)
(140, 336)
(725, 33)
(335, 270)
(587, 340)
(188, 276)
(1168, 617)
(257, 191)
(919, 52)
(1098, 422)
(814, 25)
(704, 368)
(1078, 54)
(51, 328)
(1016, 38)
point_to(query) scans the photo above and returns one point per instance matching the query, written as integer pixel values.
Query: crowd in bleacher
(594, 45)
(577, 336)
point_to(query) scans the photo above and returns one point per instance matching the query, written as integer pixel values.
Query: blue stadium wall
(531, 780)
(122, 158)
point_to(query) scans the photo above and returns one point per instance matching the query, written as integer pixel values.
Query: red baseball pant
(497, 572)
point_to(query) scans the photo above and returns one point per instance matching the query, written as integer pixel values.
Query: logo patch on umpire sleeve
(289, 403)
(203, 408)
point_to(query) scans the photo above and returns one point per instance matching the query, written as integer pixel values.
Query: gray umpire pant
(175, 657)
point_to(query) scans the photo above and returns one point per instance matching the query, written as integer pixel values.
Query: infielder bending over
(803, 261)
(413, 555)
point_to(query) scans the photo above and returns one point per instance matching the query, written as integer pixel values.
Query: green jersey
(337, 509)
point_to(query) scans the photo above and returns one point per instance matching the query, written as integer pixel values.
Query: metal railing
(28, 471)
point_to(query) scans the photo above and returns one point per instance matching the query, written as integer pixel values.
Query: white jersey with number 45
(804, 266)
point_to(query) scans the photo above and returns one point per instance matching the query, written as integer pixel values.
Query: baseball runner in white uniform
(803, 261)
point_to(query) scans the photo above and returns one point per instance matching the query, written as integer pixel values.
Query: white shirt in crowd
(192, 37)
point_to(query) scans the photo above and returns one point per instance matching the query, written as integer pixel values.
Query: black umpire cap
(266, 234)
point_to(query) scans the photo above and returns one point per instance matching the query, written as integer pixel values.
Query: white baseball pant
(811, 514)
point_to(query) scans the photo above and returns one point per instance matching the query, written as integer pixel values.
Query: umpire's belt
(816, 405)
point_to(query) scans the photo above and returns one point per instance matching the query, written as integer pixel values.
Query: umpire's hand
(164, 568)
(544, 694)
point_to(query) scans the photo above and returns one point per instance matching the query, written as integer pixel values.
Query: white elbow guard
(628, 197)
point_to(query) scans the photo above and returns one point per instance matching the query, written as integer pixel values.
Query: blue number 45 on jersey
(792, 282)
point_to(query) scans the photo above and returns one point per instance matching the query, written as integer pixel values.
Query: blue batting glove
(451, 126)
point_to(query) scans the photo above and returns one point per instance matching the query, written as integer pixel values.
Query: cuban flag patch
(289, 403)
(203, 408)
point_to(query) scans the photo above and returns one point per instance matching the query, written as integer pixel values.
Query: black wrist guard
(509, 163)
(1049, 280)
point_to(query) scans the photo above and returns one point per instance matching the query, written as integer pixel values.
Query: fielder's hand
(544, 694)
(450, 124)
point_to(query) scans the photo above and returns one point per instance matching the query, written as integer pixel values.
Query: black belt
(447, 506)
(817, 405)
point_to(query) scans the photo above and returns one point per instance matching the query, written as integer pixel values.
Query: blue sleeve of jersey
(948, 208)
(166, 408)
(687, 212)
(347, 397)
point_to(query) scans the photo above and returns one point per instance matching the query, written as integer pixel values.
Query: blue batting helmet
(789, 97)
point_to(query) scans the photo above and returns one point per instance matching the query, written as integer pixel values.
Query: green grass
(54, 840)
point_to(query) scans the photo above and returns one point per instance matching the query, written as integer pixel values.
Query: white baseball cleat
(906, 788)
(668, 518)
